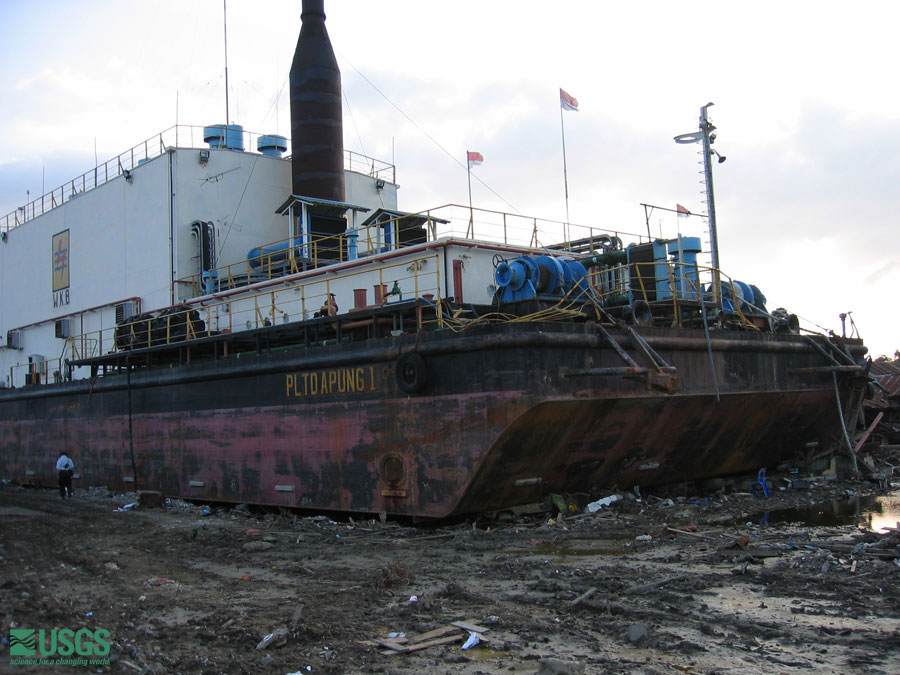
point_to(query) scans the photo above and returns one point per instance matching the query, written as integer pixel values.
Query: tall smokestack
(316, 126)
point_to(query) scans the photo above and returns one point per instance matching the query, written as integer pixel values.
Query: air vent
(14, 339)
(124, 311)
(62, 328)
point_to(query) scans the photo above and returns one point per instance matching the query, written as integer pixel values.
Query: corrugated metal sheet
(887, 374)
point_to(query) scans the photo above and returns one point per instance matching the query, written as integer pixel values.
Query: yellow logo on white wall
(61, 260)
(61, 269)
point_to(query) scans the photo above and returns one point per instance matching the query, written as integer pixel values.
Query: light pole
(707, 137)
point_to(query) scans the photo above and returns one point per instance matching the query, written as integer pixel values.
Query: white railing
(462, 222)
(179, 136)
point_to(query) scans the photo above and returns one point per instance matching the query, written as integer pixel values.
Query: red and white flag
(682, 210)
(474, 158)
(567, 101)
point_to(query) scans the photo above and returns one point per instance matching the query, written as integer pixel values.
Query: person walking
(66, 468)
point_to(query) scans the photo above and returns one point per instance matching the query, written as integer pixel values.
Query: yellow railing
(680, 285)
(82, 346)
(674, 287)
(410, 279)
(295, 254)
(43, 371)
(288, 256)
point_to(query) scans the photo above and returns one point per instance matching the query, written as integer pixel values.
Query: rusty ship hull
(498, 417)
(170, 348)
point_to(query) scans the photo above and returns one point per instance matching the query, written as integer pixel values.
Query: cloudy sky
(806, 105)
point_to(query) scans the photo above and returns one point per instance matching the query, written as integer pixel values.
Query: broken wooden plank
(391, 643)
(402, 643)
(865, 436)
(702, 535)
(584, 596)
(405, 649)
(469, 626)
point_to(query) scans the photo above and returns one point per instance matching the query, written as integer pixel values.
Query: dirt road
(659, 585)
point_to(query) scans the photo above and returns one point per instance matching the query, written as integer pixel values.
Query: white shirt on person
(64, 463)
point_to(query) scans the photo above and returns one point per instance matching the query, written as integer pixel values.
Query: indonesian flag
(567, 101)
(474, 158)
(682, 210)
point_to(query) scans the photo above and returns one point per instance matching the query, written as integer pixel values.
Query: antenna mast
(706, 138)
(225, 26)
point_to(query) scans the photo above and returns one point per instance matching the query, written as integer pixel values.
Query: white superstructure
(124, 239)
(76, 260)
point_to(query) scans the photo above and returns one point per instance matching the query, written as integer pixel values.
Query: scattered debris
(400, 643)
(393, 575)
(472, 641)
(470, 626)
(570, 593)
(276, 638)
(605, 501)
(584, 596)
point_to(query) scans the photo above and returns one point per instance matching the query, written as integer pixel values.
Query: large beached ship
(216, 322)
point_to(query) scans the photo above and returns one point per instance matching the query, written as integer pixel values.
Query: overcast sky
(806, 105)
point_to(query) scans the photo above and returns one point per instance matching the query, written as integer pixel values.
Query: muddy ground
(677, 581)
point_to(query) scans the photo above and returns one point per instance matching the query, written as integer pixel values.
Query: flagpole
(562, 128)
(469, 232)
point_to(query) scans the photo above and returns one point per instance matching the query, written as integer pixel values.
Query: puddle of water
(755, 605)
(874, 512)
(482, 653)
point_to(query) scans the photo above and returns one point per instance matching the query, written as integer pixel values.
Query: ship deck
(354, 326)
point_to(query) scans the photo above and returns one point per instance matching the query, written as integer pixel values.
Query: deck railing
(411, 279)
(676, 290)
(43, 371)
(296, 254)
(676, 293)
(179, 136)
(455, 220)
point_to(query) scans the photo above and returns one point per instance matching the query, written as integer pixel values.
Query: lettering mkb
(63, 642)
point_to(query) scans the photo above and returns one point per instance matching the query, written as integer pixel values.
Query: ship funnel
(316, 129)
